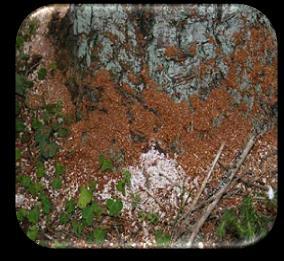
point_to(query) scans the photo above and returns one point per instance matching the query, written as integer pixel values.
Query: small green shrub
(105, 164)
(21, 214)
(19, 42)
(41, 74)
(77, 228)
(36, 124)
(59, 168)
(99, 235)
(18, 154)
(40, 169)
(62, 132)
(120, 186)
(88, 213)
(162, 238)
(22, 84)
(85, 197)
(57, 183)
(32, 232)
(33, 215)
(243, 222)
(46, 203)
(20, 126)
(48, 149)
(114, 207)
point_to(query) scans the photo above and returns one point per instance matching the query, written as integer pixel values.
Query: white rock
(270, 192)
(19, 200)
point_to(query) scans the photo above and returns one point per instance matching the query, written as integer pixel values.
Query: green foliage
(85, 197)
(40, 169)
(62, 132)
(135, 200)
(90, 212)
(162, 238)
(32, 187)
(18, 107)
(114, 207)
(54, 109)
(105, 164)
(21, 214)
(70, 207)
(69, 210)
(77, 228)
(36, 124)
(59, 168)
(20, 126)
(120, 186)
(46, 203)
(18, 154)
(19, 42)
(99, 235)
(33, 215)
(22, 84)
(42, 134)
(151, 217)
(48, 149)
(41, 73)
(57, 183)
(32, 232)
(243, 223)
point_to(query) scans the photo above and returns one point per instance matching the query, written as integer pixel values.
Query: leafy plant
(77, 228)
(243, 222)
(62, 132)
(41, 73)
(46, 203)
(40, 169)
(20, 126)
(59, 168)
(36, 124)
(150, 217)
(69, 210)
(100, 235)
(42, 134)
(48, 149)
(57, 183)
(33, 215)
(120, 186)
(90, 212)
(19, 42)
(105, 164)
(22, 84)
(29, 185)
(85, 197)
(32, 232)
(114, 207)
(21, 214)
(162, 238)
(18, 154)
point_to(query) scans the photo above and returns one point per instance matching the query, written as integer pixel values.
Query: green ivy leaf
(99, 235)
(70, 206)
(18, 154)
(20, 126)
(41, 73)
(105, 164)
(33, 215)
(59, 168)
(62, 132)
(48, 150)
(40, 169)
(32, 232)
(46, 203)
(36, 124)
(88, 215)
(22, 84)
(85, 197)
(57, 183)
(42, 134)
(21, 214)
(114, 207)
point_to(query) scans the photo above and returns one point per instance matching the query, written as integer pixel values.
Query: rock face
(185, 49)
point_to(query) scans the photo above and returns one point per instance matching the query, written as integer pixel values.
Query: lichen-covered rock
(187, 49)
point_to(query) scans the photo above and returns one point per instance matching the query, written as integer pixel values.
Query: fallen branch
(221, 192)
(205, 181)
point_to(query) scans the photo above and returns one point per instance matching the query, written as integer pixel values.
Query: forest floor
(140, 155)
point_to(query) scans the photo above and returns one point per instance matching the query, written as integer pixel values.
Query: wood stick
(221, 192)
(205, 181)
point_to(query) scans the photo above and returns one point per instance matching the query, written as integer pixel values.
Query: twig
(221, 192)
(205, 181)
